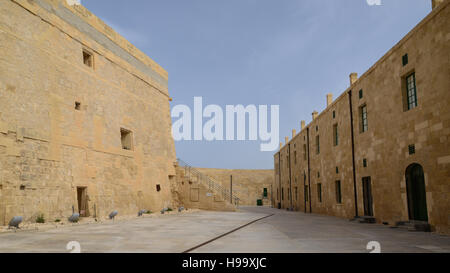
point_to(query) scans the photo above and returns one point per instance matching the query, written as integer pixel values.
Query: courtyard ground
(283, 231)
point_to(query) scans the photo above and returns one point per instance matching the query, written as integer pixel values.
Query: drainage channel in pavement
(225, 234)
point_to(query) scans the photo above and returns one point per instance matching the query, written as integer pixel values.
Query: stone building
(381, 149)
(248, 185)
(84, 117)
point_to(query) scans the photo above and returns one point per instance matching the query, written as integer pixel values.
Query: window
(334, 114)
(126, 137)
(318, 174)
(88, 58)
(306, 194)
(304, 151)
(158, 187)
(317, 128)
(337, 169)
(405, 59)
(365, 163)
(335, 135)
(364, 126)
(265, 192)
(338, 192)
(361, 94)
(412, 149)
(319, 192)
(411, 91)
(77, 105)
(317, 144)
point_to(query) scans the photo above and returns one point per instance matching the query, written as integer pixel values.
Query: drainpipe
(290, 178)
(304, 186)
(353, 153)
(279, 178)
(309, 173)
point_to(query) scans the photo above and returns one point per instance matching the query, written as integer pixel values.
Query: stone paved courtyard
(283, 232)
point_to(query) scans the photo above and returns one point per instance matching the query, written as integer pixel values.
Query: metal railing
(196, 176)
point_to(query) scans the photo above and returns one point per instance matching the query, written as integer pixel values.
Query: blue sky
(289, 53)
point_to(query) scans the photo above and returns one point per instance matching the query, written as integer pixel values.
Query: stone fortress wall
(84, 117)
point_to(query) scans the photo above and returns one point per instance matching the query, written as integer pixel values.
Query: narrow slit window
(335, 135)
(319, 192)
(304, 151)
(306, 194)
(317, 145)
(338, 192)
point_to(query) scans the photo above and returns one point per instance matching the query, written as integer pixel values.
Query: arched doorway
(415, 189)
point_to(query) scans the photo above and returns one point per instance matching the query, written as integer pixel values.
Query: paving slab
(298, 232)
(282, 232)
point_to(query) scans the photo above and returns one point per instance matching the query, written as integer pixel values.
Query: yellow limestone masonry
(84, 117)
(391, 159)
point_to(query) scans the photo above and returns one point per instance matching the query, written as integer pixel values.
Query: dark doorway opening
(415, 190)
(82, 197)
(367, 196)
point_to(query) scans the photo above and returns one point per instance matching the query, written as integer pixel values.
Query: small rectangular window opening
(126, 138)
(405, 59)
(88, 58)
(412, 149)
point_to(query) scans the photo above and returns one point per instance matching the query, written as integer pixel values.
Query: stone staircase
(194, 175)
(413, 226)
